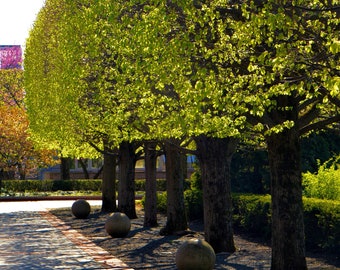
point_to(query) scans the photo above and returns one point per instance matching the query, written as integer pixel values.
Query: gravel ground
(144, 248)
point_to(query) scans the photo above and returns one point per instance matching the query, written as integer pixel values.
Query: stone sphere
(81, 208)
(118, 225)
(195, 254)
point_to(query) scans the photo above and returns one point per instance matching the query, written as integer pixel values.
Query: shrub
(161, 184)
(194, 203)
(322, 223)
(252, 213)
(21, 186)
(325, 184)
(321, 218)
(193, 196)
(196, 180)
(162, 202)
(140, 185)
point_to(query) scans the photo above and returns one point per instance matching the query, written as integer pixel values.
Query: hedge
(161, 184)
(21, 186)
(322, 223)
(321, 217)
(70, 185)
(252, 214)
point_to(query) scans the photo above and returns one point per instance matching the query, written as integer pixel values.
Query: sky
(16, 20)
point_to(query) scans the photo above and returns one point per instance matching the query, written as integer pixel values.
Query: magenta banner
(10, 56)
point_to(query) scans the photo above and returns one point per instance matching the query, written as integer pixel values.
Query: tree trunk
(214, 155)
(288, 246)
(98, 173)
(65, 168)
(109, 183)
(126, 187)
(83, 164)
(150, 215)
(22, 172)
(176, 214)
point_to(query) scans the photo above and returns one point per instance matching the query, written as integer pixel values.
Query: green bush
(140, 184)
(194, 203)
(161, 202)
(195, 180)
(193, 196)
(325, 184)
(321, 218)
(253, 214)
(322, 223)
(161, 184)
(22, 186)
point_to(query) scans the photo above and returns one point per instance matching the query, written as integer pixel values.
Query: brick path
(36, 239)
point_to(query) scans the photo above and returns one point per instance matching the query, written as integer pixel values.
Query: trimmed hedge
(22, 186)
(252, 213)
(194, 203)
(70, 185)
(140, 184)
(321, 217)
(322, 223)
(161, 184)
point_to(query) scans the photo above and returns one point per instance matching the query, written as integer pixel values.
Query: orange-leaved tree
(18, 158)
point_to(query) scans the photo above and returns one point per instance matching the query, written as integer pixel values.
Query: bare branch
(332, 8)
(265, 119)
(101, 150)
(181, 148)
(307, 103)
(309, 116)
(320, 124)
(332, 99)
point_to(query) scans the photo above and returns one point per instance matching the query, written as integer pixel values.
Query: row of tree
(114, 76)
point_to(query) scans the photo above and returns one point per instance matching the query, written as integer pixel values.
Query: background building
(10, 56)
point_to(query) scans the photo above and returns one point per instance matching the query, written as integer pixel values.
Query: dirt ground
(145, 248)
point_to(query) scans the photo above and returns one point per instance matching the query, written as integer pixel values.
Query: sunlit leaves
(136, 70)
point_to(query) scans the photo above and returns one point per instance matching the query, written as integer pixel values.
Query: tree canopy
(53, 108)
(18, 156)
(137, 70)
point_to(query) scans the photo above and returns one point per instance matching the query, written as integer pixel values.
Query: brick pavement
(36, 239)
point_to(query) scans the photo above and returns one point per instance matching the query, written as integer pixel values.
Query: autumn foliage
(18, 158)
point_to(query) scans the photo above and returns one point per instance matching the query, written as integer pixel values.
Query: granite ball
(195, 254)
(118, 225)
(81, 209)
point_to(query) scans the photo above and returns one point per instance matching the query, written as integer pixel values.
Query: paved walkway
(33, 238)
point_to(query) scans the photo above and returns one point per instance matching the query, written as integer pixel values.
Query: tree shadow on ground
(145, 248)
